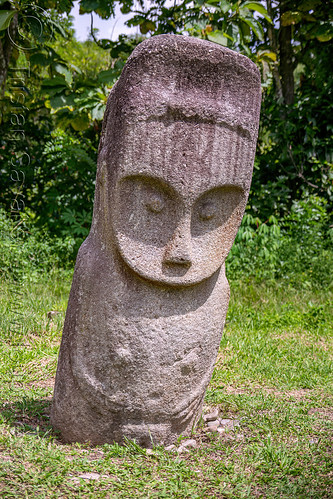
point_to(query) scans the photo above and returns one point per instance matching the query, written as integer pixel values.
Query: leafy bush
(306, 252)
(26, 251)
(298, 248)
(68, 183)
(256, 248)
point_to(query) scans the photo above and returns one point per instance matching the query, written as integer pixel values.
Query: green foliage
(52, 170)
(307, 252)
(54, 177)
(297, 249)
(104, 8)
(26, 252)
(256, 248)
(295, 143)
(231, 24)
(83, 58)
(5, 18)
(78, 85)
(71, 165)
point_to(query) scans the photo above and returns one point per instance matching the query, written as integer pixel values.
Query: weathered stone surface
(213, 428)
(189, 443)
(211, 416)
(149, 294)
(231, 423)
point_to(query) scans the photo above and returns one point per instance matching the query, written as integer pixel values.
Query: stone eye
(207, 210)
(155, 204)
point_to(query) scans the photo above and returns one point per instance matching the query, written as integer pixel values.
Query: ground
(273, 375)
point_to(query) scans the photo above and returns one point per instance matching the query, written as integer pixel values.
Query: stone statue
(149, 294)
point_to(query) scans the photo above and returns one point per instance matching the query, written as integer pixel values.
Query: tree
(287, 39)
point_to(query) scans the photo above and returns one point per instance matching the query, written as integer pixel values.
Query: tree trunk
(6, 49)
(273, 44)
(286, 58)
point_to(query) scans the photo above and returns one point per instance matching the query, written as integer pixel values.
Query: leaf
(218, 37)
(225, 6)
(58, 28)
(245, 30)
(97, 112)
(40, 59)
(136, 20)
(5, 18)
(63, 70)
(147, 26)
(105, 43)
(324, 32)
(107, 76)
(57, 81)
(325, 38)
(267, 55)
(309, 17)
(80, 122)
(258, 7)
(290, 17)
(103, 8)
(62, 101)
(125, 9)
(256, 27)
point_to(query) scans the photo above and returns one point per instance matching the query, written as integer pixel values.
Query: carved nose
(179, 250)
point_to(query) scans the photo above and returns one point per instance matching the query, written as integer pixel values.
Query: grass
(273, 374)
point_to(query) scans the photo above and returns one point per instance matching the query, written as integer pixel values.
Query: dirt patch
(298, 395)
(324, 413)
(321, 343)
(30, 416)
(43, 383)
(5, 458)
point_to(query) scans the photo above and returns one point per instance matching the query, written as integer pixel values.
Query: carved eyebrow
(151, 180)
(219, 188)
(197, 116)
(163, 185)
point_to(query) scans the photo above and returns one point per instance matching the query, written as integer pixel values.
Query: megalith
(149, 295)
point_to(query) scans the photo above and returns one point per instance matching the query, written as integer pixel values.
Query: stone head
(176, 158)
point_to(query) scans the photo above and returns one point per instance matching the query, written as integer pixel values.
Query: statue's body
(149, 294)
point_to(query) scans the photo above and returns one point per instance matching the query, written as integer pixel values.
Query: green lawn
(273, 375)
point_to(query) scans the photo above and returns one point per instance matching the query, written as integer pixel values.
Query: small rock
(211, 424)
(231, 423)
(96, 456)
(227, 437)
(211, 416)
(170, 448)
(90, 476)
(182, 449)
(189, 443)
(52, 313)
(150, 452)
(213, 428)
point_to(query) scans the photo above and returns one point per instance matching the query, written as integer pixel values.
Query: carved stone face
(172, 225)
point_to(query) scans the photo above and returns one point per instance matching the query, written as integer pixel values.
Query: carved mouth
(175, 269)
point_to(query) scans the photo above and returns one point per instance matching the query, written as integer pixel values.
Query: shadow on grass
(29, 416)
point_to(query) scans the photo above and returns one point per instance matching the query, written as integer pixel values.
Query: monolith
(149, 294)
